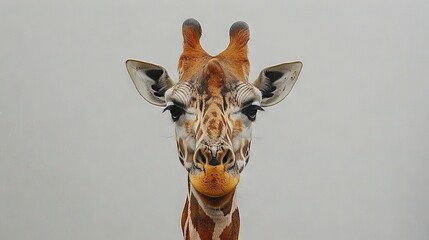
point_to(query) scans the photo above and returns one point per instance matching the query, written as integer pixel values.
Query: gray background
(345, 156)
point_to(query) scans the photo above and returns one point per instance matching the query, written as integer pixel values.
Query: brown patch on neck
(232, 230)
(202, 223)
(225, 205)
(184, 217)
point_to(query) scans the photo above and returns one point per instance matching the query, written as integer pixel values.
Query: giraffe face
(213, 105)
(213, 119)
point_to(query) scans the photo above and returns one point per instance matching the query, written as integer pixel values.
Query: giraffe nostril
(225, 157)
(201, 158)
(228, 157)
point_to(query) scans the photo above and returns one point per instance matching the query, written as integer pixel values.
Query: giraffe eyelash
(175, 111)
(251, 110)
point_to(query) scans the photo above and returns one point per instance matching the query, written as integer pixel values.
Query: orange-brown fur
(232, 63)
(203, 223)
(233, 60)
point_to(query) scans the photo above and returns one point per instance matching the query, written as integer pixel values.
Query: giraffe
(213, 106)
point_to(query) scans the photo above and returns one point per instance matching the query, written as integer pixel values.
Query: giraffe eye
(175, 111)
(250, 111)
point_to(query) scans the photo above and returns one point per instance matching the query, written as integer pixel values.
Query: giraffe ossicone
(213, 106)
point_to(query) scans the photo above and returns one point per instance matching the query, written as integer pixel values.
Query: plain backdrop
(345, 156)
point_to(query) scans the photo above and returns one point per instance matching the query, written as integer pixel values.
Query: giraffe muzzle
(218, 176)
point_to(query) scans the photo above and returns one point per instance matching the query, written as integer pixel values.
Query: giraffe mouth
(214, 181)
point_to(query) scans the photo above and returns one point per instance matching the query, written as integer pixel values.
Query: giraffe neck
(205, 218)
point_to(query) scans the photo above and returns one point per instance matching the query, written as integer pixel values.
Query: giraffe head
(213, 105)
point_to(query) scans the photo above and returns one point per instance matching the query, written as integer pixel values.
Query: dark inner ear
(269, 87)
(159, 87)
(273, 75)
(266, 93)
(154, 73)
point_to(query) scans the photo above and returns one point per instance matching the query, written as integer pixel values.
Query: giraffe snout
(214, 156)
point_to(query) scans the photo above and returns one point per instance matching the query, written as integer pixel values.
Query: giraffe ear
(151, 81)
(277, 81)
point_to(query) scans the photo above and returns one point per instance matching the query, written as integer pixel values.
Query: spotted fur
(208, 218)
